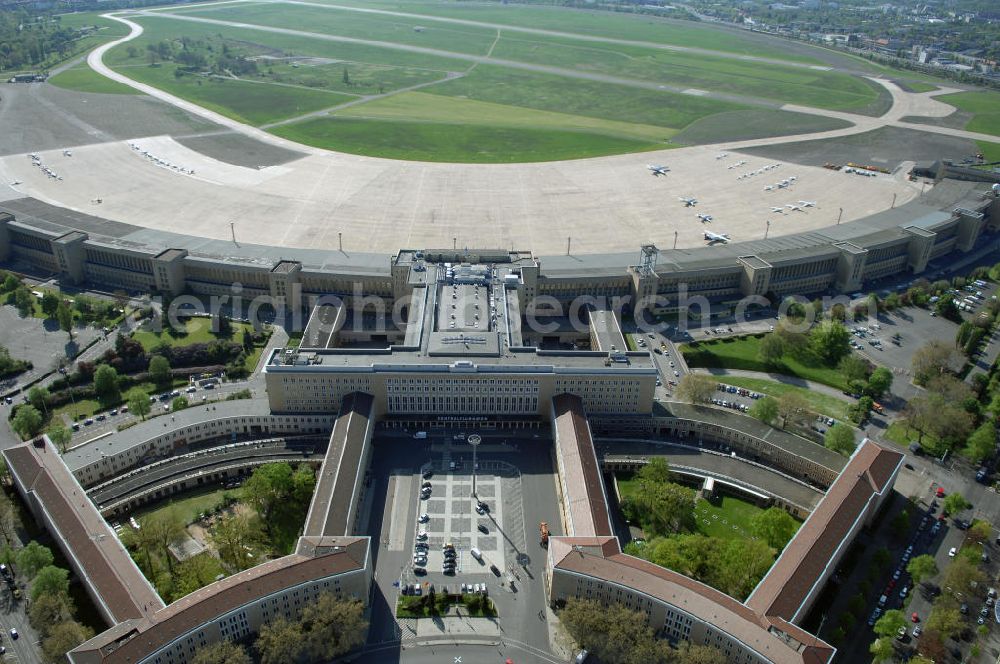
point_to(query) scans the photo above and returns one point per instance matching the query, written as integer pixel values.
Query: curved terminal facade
(439, 338)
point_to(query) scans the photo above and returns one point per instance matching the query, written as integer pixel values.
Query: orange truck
(543, 529)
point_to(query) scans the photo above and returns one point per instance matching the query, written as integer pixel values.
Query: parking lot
(450, 514)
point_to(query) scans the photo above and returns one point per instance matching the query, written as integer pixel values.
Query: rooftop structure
(586, 505)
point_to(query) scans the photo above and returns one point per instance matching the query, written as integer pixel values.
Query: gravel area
(888, 147)
(39, 116)
(239, 150)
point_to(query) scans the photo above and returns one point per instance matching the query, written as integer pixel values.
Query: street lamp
(474, 440)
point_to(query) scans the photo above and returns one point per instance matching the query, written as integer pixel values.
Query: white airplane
(777, 209)
(716, 237)
(793, 207)
(688, 202)
(806, 204)
(68, 153)
(658, 170)
(792, 178)
(722, 155)
(15, 183)
(782, 185)
(705, 217)
(769, 187)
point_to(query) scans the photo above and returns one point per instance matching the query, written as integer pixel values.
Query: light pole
(474, 440)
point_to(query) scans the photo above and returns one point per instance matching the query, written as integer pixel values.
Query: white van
(476, 553)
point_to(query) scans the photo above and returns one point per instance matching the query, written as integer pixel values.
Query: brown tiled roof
(341, 472)
(127, 645)
(585, 500)
(82, 532)
(705, 603)
(782, 592)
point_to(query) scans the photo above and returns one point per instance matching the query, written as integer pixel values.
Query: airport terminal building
(82, 249)
(440, 338)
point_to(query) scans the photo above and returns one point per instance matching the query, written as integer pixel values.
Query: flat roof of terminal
(84, 454)
(508, 362)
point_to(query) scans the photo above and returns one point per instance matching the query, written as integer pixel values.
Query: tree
(50, 610)
(50, 580)
(194, 573)
(164, 529)
(65, 317)
(879, 383)
(980, 531)
(247, 340)
(656, 470)
(50, 304)
(138, 402)
(830, 341)
(765, 410)
(28, 421)
(60, 435)
(696, 388)
(223, 652)
(775, 526)
(38, 396)
(954, 503)
(853, 367)
(179, 403)
(792, 408)
(889, 623)
(613, 633)
(932, 359)
(269, 485)
(771, 350)
(64, 637)
(946, 621)
(840, 439)
(900, 524)
(333, 627)
(159, 370)
(236, 537)
(281, 642)
(10, 283)
(106, 383)
(661, 507)
(922, 568)
(881, 558)
(32, 558)
(24, 301)
(881, 649)
(982, 444)
(346, 78)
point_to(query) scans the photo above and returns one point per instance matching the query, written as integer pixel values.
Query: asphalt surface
(522, 611)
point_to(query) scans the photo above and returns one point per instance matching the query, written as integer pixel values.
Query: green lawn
(192, 505)
(727, 518)
(596, 23)
(985, 107)
(426, 141)
(84, 79)
(821, 403)
(198, 330)
(423, 107)
(991, 151)
(81, 409)
(824, 89)
(902, 435)
(917, 86)
(741, 353)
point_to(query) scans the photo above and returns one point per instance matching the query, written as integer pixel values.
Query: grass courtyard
(742, 353)
(824, 404)
(196, 331)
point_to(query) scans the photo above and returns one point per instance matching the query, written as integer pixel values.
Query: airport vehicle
(688, 202)
(543, 530)
(716, 237)
(705, 218)
(420, 435)
(658, 169)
